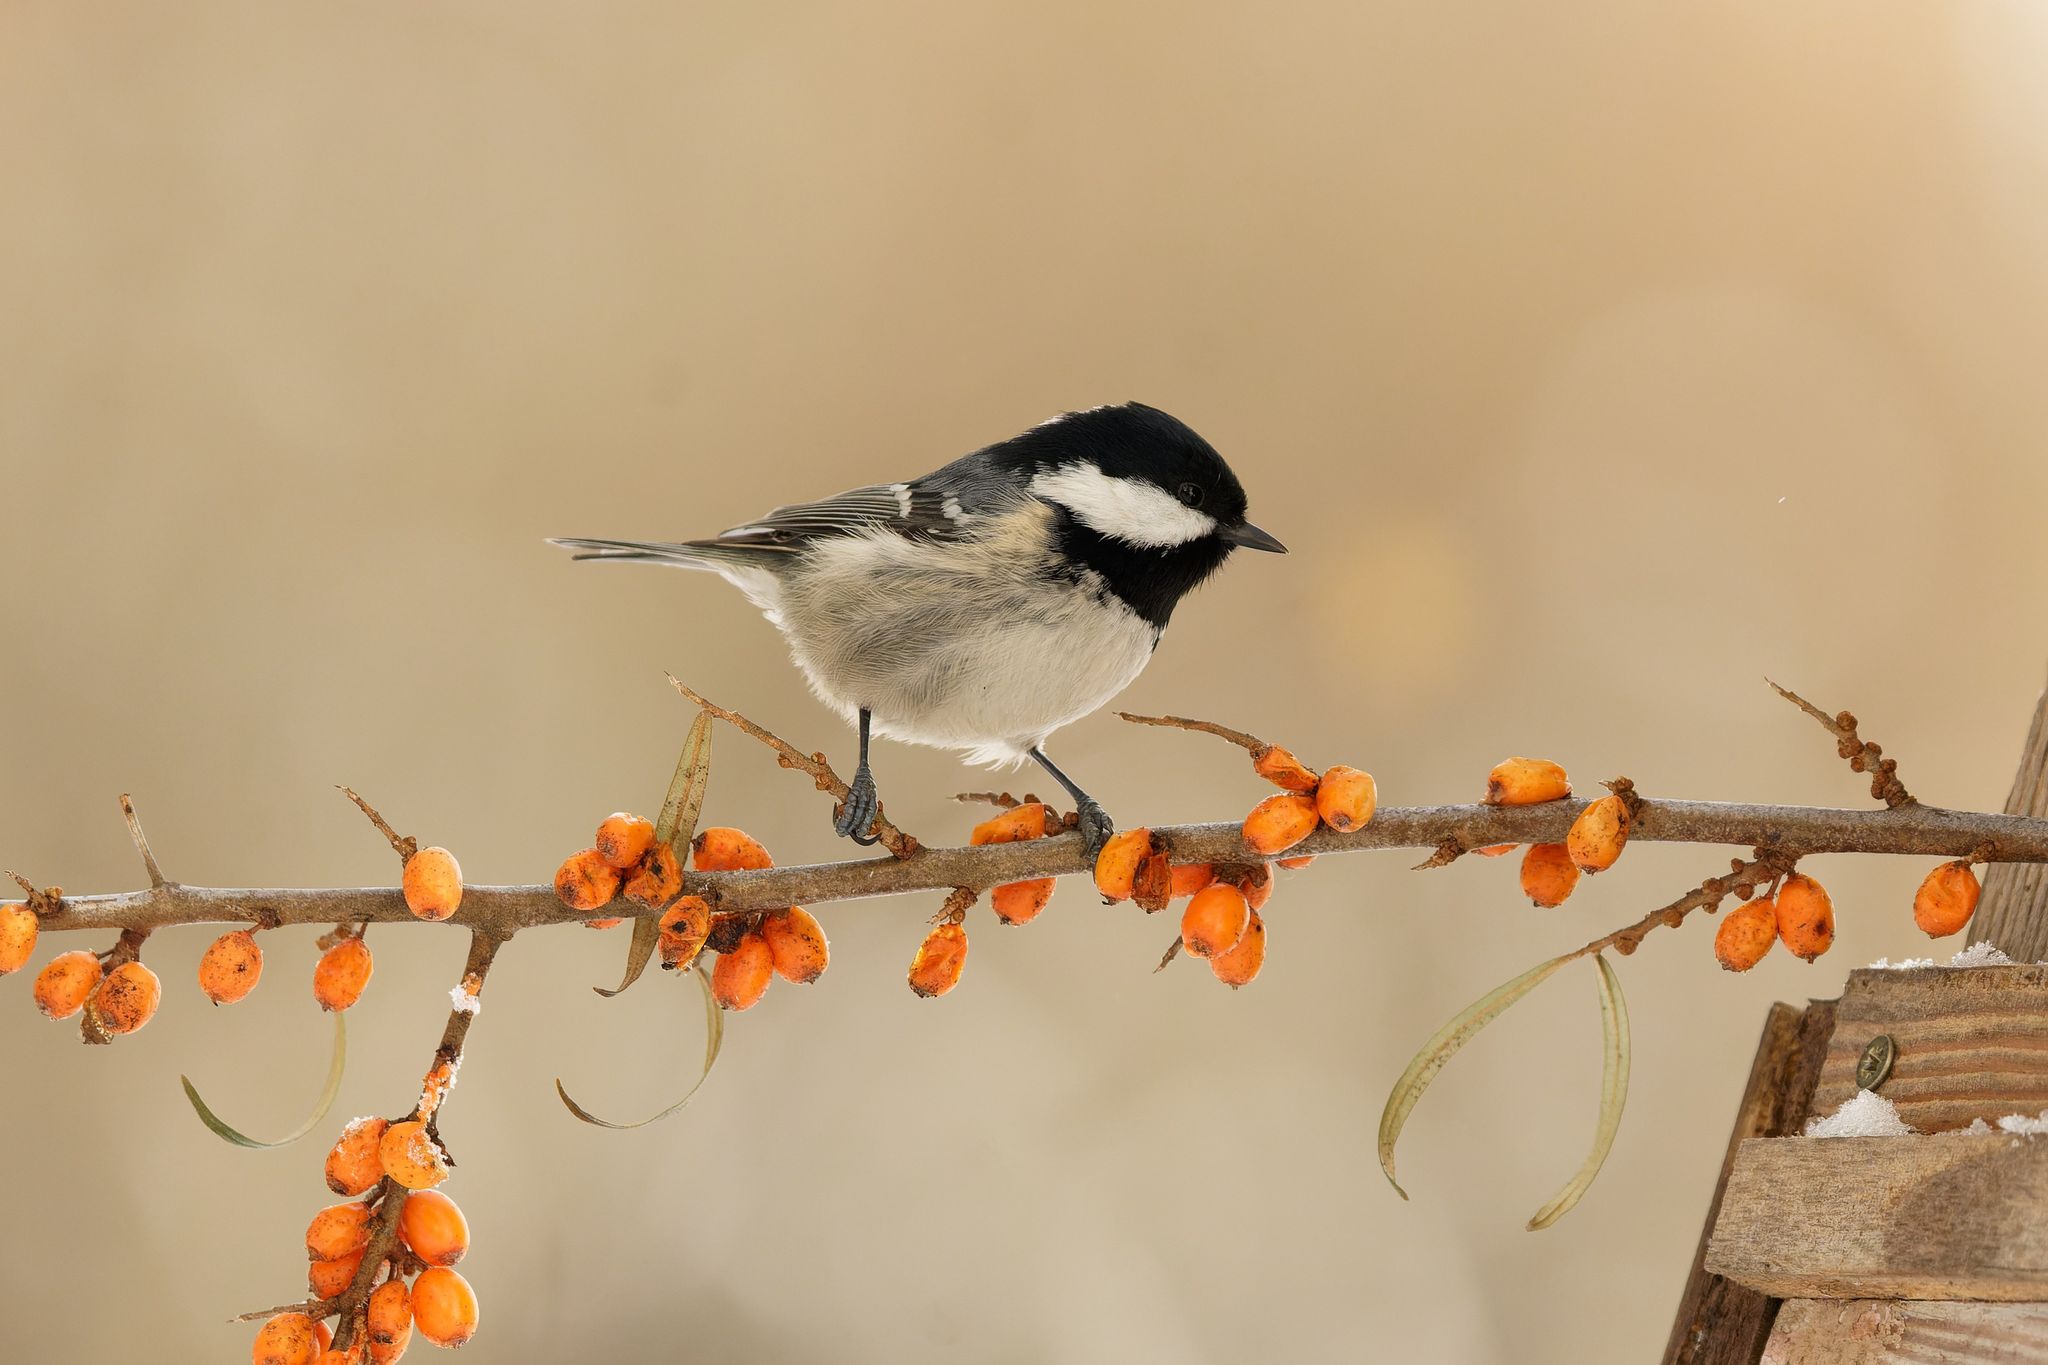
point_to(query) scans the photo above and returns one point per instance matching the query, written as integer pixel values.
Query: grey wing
(937, 507)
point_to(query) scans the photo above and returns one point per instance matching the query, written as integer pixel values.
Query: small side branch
(403, 845)
(813, 766)
(1250, 743)
(1863, 756)
(156, 876)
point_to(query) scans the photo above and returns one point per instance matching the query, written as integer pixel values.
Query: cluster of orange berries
(116, 992)
(1221, 923)
(433, 1236)
(942, 956)
(1550, 872)
(752, 948)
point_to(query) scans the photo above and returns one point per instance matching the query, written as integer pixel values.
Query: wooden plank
(1720, 1322)
(2014, 911)
(1938, 1217)
(1884, 1332)
(1972, 1043)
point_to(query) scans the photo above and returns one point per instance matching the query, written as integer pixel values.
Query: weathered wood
(2014, 911)
(1720, 1322)
(1948, 1216)
(1887, 1332)
(1972, 1043)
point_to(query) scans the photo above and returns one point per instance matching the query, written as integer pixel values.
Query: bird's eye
(1190, 493)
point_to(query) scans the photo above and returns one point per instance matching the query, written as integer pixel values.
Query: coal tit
(987, 604)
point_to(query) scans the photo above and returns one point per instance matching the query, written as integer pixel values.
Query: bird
(993, 601)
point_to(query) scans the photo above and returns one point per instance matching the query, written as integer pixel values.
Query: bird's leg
(1096, 826)
(857, 812)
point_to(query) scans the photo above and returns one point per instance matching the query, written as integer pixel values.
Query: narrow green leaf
(1441, 1047)
(1613, 1096)
(714, 1039)
(332, 1088)
(676, 827)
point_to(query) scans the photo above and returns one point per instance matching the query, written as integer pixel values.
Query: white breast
(959, 647)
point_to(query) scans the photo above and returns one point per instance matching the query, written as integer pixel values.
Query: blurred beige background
(1595, 360)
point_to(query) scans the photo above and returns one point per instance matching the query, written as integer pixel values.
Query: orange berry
(1020, 902)
(657, 880)
(939, 961)
(230, 968)
(1746, 935)
(1806, 917)
(1346, 798)
(1548, 874)
(66, 982)
(1152, 888)
(684, 927)
(341, 974)
(1526, 782)
(353, 1165)
(1296, 864)
(443, 1306)
(330, 1279)
(1238, 966)
(1279, 822)
(796, 944)
(740, 978)
(1283, 769)
(125, 1001)
(1214, 921)
(388, 1319)
(1495, 850)
(337, 1230)
(1599, 834)
(410, 1157)
(323, 1335)
(434, 1227)
(287, 1339)
(1011, 826)
(624, 840)
(333, 1357)
(1945, 901)
(18, 930)
(585, 881)
(1189, 878)
(720, 849)
(1117, 865)
(433, 884)
(602, 923)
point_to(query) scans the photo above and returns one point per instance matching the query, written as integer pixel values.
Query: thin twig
(815, 766)
(1863, 756)
(312, 1308)
(1252, 743)
(1708, 895)
(404, 846)
(1172, 952)
(156, 876)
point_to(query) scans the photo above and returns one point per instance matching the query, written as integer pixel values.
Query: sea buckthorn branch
(1917, 830)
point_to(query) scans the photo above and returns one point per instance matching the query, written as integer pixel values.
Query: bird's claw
(1095, 825)
(857, 813)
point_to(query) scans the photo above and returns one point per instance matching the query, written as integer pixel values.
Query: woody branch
(500, 911)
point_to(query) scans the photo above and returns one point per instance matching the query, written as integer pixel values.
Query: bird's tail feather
(697, 556)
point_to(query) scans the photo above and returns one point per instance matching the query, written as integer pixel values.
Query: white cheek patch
(1131, 510)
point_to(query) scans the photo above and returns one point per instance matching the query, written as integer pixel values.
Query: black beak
(1252, 538)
